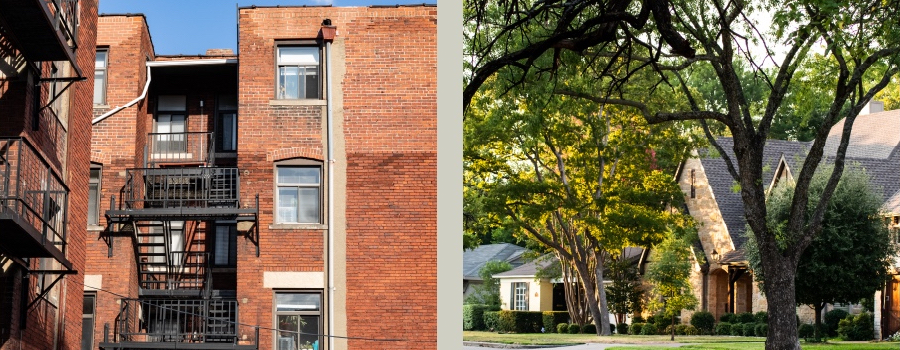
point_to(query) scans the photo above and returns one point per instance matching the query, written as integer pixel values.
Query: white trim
(197, 62)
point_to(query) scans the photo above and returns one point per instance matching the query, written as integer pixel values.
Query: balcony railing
(194, 187)
(47, 30)
(184, 147)
(210, 321)
(33, 203)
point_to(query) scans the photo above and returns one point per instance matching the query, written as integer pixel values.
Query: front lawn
(728, 345)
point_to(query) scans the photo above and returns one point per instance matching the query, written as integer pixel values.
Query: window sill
(95, 228)
(309, 102)
(101, 106)
(298, 227)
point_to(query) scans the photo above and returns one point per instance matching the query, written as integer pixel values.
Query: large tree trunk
(590, 293)
(603, 325)
(782, 303)
(819, 307)
(576, 302)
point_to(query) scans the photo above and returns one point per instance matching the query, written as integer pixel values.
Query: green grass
(655, 342)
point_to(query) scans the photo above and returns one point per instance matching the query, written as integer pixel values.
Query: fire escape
(163, 209)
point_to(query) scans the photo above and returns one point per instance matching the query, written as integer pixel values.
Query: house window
(225, 246)
(298, 319)
(226, 132)
(170, 119)
(298, 72)
(520, 296)
(100, 64)
(87, 322)
(298, 194)
(94, 196)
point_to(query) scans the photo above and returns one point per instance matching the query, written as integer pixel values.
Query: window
(298, 72)
(87, 322)
(298, 194)
(170, 119)
(226, 132)
(94, 196)
(520, 296)
(298, 319)
(100, 64)
(225, 246)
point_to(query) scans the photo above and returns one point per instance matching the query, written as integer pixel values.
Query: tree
(861, 38)
(852, 229)
(625, 292)
(669, 273)
(582, 180)
(488, 293)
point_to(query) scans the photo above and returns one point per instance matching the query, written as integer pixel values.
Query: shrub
(691, 330)
(737, 329)
(492, 320)
(749, 329)
(649, 329)
(895, 337)
(637, 319)
(761, 317)
(723, 328)
(728, 317)
(681, 329)
(574, 328)
(622, 328)
(520, 321)
(562, 328)
(761, 330)
(553, 318)
(746, 317)
(668, 329)
(806, 331)
(589, 328)
(861, 327)
(473, 317)
(612, 328)
(831, 320)
(704, 321)
(635, 328)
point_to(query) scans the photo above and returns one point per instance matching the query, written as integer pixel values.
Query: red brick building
(280, 197)
(46, 49)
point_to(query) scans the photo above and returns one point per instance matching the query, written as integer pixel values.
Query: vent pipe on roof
(872, 107)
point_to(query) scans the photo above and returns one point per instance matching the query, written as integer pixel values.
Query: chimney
(872, 107)
(219, 52)
(328, 31)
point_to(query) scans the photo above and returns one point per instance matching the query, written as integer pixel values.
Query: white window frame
(520, 296)
(283, 341)
(298, 163)
(91, 316)
(101, 66)
(302, 66)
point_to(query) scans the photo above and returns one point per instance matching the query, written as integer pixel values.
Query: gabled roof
(874, 136)
(474, 259)
(530, 269)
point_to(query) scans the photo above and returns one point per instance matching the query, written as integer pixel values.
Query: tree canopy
(669, 273)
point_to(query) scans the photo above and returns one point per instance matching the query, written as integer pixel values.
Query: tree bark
(590, 293)
(780, 296)
(604, 308)
(818, 307)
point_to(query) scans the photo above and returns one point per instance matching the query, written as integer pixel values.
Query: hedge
(806, 331)
(728, 318)
(649, 329)
(831, 320)
(704, 321)
(723, 328)
(737, 329)
(492, 320)
(761, 330)
(574, 328)
(553, 318)
(562, 328)
(749, 329)
(520, 321)
(746, 317)
(635, 328)
(761, 317)
(473, 317)
(861, 327)
(589, 328)
(622, 328)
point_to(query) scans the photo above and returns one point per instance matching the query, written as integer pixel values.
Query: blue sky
(190, 27)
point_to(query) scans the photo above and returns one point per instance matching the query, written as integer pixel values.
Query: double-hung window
(298, 194)
(170, 124)
(298, 319)
(87, 322)
(100, 65)
(520, 296)
(225, 246)
(226, 133)
(298, 72)
(94, 196)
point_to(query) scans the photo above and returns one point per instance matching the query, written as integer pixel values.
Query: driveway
(467, 345)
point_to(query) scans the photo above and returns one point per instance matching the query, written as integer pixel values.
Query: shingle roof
(874, 136)
(474, 259)
(531, 268)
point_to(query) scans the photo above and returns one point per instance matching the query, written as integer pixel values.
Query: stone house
(723, 283)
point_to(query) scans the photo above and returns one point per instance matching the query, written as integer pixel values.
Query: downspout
(129, 104)
(330, 154)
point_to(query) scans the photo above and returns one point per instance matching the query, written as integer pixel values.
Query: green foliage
(746, 317)
(761, 330)
(761, 317)
(852, 229)
(492, 320)
(511, 321)
(831, 321)
(669, 273)
(622, 328)
(473, 317)
(728, 317)
(554, 318)
(806, 331)
(649, 329)
(723, 328)
(749, 329)
(638, 319)
(704, 321)
(488, 292)
(737, 329)
(562, 328)
(860, 327)
(691, 330)
(589, 328)
(574, 328)
(625, 292)
(636, 328)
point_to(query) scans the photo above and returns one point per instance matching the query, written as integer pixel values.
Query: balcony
(33, 204)
(181, 193)
(180, 148)
(44, 30)
(180, 324)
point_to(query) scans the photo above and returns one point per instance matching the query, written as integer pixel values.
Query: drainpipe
(328, 32)
(129, 104)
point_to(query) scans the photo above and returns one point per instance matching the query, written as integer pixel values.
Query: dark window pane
(93, 204)
(312, 83)
(298, 301)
